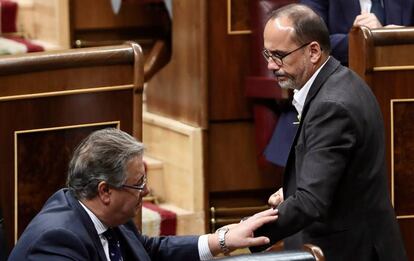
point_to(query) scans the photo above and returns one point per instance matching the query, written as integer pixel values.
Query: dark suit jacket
(335, 183)
(339, 15)
(63, 231)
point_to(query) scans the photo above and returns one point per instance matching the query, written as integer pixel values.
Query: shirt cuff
(203, 249)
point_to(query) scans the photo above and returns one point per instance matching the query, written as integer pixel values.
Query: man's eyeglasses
(140, 187)
(277, 58)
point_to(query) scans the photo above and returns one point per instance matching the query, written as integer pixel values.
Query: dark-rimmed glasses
(277, 58)
(139, 187)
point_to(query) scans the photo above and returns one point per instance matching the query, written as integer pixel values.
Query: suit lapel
(88, 224)
(136, 247)
(330, 66)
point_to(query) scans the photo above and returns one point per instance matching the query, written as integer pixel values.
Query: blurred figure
(341, 15)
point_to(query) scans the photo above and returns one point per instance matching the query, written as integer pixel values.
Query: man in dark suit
(341, 15)
(91, 219)
(334, 189)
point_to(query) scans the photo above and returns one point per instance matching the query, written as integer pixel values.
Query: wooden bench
(384, 58)
(49, 102)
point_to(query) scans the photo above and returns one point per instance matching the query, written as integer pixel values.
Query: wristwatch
(222, 239)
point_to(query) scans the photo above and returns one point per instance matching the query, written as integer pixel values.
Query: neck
(97, 209)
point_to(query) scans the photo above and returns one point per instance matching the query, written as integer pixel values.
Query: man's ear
(315, 52)
(104, 192)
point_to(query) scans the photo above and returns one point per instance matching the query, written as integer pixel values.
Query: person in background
(91, 218)
(341, 15)
(334, 191)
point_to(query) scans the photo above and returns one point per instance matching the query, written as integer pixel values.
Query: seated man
(91, 219)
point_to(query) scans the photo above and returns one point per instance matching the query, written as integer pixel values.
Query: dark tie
(378, 10)
(113, 244)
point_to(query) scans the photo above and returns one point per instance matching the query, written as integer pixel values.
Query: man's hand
(241, 235)
(367, 19)
(276, 198)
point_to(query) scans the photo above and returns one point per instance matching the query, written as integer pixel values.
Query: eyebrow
(277, 52)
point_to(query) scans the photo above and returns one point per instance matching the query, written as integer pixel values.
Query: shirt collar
(299, 96)
(99, 226)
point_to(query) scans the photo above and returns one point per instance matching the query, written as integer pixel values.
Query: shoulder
(51, 244)
(57, 225)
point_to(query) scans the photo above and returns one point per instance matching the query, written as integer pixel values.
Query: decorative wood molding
(68, 92)
(229, 22)
(393, 68)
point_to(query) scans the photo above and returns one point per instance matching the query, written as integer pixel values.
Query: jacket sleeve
(321, 157)
(171, 247)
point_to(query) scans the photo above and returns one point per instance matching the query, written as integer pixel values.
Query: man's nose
(145, 191)
(272, 66)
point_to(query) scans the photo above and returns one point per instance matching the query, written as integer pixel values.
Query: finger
(255, 224)
(275, 200)
(362, 19)
(265, 213)
(358, 19)
(258, 241)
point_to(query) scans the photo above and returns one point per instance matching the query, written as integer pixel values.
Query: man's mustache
(279, 74)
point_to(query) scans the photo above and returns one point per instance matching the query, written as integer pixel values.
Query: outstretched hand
(240, 235)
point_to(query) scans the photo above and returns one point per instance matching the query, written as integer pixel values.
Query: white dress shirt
(203, 249)
(100, 229)
(299, 96)
(367, 4)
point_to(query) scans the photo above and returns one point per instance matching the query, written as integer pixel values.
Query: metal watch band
(222, 239)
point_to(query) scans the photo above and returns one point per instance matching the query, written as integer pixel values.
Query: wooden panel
(179, 90)
(391, 55)
(49, 112)
(238, 16)
(407, 228)
(98, 14)
(384, 59)
(403, 153)
(77, 78)
(228, 62)
(232, 160)
(33, 169)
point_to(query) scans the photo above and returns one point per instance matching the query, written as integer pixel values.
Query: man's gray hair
(102, 156)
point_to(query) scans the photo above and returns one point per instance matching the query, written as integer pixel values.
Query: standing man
(335, 189)
(91, 219)
(341, 15)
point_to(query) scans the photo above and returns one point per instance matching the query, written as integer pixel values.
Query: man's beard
(287, 83)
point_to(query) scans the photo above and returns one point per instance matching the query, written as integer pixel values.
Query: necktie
(113, 244)
(378, 10)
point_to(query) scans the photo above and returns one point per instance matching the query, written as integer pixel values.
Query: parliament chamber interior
(187, 78)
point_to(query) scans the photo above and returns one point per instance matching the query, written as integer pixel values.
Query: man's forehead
(278, 33)
(136, 165)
